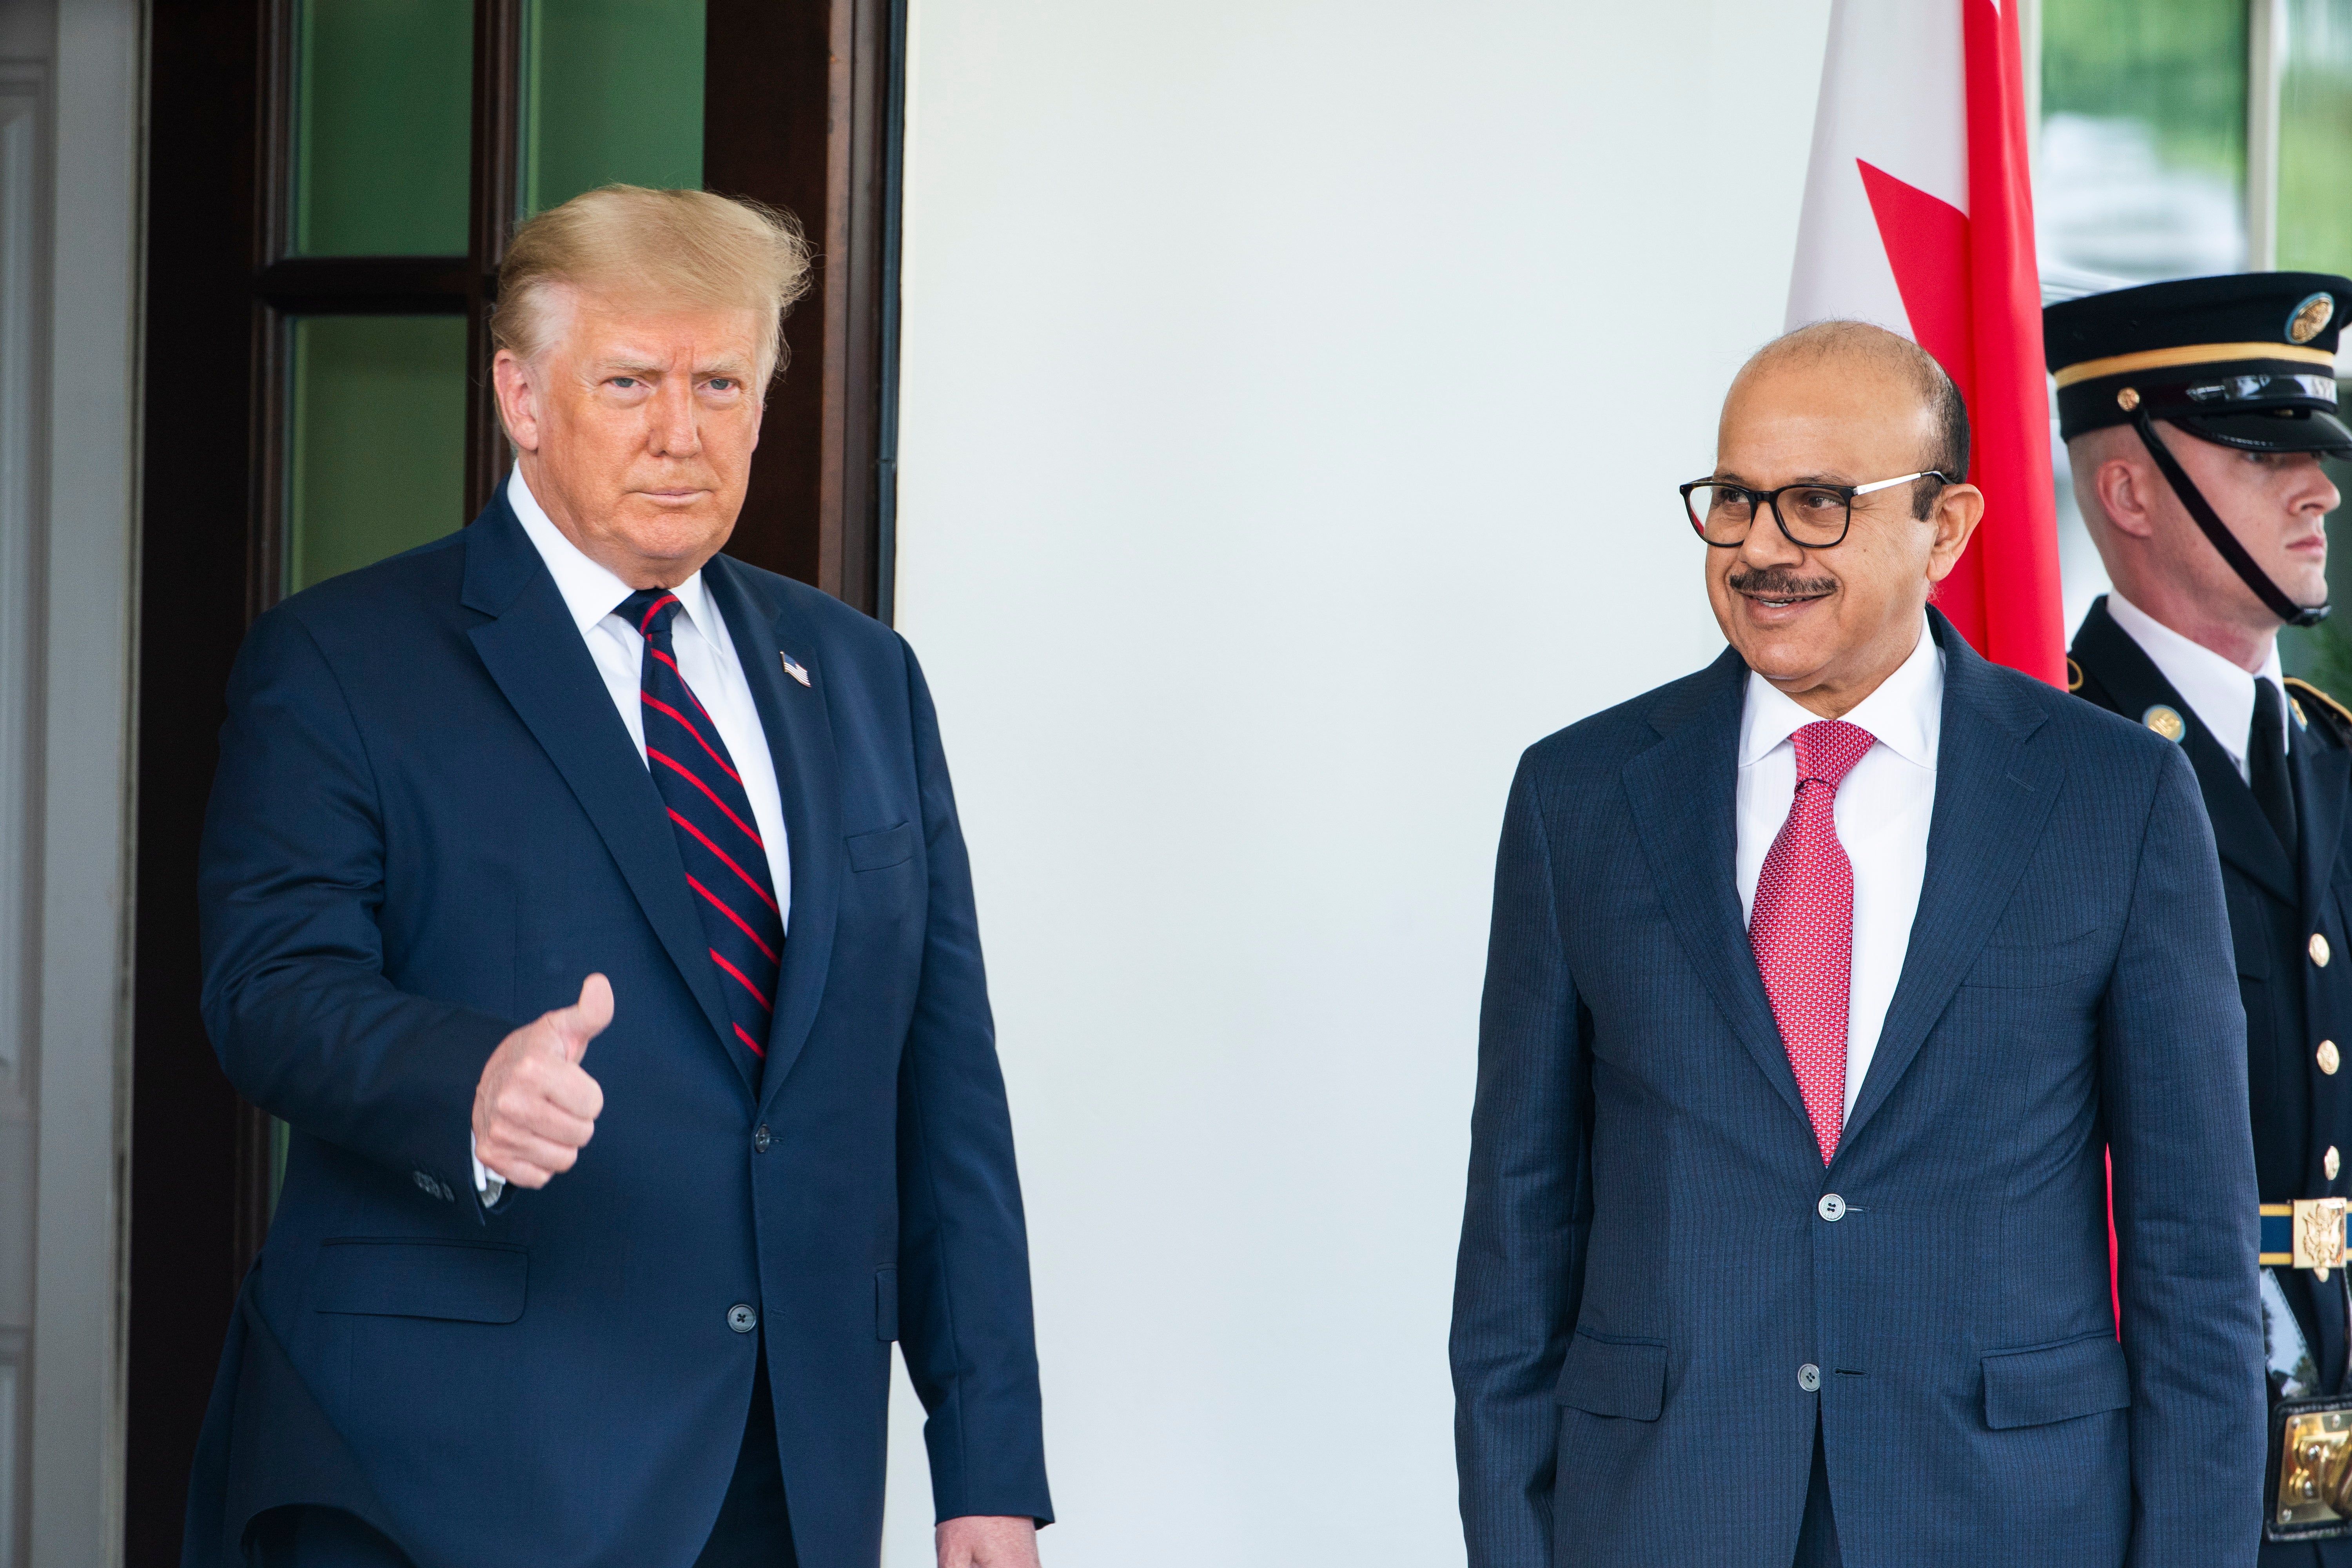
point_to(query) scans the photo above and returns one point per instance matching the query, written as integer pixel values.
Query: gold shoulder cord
(2295, 683)
(2073, 676)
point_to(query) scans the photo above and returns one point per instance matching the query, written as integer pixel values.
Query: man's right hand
(535, 1108)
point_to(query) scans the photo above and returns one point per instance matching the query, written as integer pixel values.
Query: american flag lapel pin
(793, 668)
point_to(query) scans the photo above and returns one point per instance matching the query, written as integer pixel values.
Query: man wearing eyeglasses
(2196, 413)
(1819, 984)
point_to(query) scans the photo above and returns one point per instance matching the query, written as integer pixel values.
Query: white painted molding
(86, 548)
(2266, 46)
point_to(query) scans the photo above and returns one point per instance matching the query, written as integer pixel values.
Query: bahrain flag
(1919, 215)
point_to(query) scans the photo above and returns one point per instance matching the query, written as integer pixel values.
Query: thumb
(585, 1019)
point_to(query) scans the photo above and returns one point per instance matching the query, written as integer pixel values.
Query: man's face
(2275, 502)
(636, 427)
(1827, 625)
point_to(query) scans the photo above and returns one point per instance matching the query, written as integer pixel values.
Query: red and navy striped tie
(726, 861)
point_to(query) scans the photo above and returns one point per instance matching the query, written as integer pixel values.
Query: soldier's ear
(2124, 493)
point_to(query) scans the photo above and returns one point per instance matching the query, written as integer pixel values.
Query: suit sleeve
(1521, 1264)
(290, 880)
(2173, 1081)
(965, 1324)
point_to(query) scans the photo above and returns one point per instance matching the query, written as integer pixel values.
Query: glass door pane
(2143, 141)
(376, 439)
(384, 106)
(612, 92)
(2315, 138)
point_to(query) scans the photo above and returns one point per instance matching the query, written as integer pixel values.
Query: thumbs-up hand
(535, 1108)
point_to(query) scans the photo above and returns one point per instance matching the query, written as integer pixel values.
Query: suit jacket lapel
(532, 649)
(1994, 791)
(1682, 793)
(799, 727)
(2241, 832)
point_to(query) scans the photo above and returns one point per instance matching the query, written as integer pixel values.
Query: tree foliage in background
(2316, 138)
(2178, 67)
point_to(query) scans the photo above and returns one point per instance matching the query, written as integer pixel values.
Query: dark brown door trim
(798, 103)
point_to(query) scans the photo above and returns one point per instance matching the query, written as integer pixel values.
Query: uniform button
(760, 1138)
(741, 1319)
(1831, 1207)
(2319, 949)
(1809, 1378)
(2331, 1163)
(2330, 1058)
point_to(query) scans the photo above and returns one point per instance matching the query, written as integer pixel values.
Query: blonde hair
(681, 248)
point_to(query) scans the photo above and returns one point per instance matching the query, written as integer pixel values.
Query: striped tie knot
(650, 610)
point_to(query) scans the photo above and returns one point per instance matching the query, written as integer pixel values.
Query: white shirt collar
(1904, 714)
(2222, 693)
(589, 592)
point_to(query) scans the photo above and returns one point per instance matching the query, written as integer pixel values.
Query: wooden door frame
(803, 101)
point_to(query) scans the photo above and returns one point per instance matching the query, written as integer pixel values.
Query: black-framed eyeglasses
(1812, 517)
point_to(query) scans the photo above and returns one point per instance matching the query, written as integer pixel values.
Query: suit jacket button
(1831, 1207)
(2330, 1058)
(741, 1319)
(1809, 1378)
(2331, 1163)
(2319, 949)
(760, 1138)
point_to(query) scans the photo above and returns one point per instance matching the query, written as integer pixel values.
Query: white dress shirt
(706, 660)
(2221, 694)
(1884, 809)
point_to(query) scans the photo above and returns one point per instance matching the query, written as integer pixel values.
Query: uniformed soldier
(2195, 413)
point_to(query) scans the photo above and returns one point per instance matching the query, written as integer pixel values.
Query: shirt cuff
(488, 1183)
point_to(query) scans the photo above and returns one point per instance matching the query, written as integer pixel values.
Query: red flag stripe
(687, 774)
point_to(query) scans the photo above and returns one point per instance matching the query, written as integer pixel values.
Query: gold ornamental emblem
(2309, 318)
(2165, 723)
(2319, 1234)
(2128, 399)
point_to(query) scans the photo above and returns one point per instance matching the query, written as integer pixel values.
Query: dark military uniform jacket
(2287, 920)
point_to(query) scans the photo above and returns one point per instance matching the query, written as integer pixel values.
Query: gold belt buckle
(2315, 1472)
(2319, 1235)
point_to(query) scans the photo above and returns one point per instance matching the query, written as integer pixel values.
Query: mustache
(1779, 583)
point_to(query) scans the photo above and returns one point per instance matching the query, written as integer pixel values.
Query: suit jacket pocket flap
(469, 1282)
(1613, 1377)
(885, 848)
(2056, 1383)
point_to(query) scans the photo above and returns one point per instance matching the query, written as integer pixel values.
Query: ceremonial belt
(2305, 1234)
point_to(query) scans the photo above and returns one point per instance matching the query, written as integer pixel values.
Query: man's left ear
(1958, 509)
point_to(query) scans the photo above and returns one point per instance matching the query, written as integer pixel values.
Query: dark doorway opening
(306, 274)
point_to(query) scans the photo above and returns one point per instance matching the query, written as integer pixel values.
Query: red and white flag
(1919, 215)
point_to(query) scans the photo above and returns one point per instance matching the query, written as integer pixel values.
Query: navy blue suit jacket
(1644, 1267)
(428, 824)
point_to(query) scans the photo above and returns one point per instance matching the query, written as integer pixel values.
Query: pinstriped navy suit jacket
(428, 824)
(1643, 1268)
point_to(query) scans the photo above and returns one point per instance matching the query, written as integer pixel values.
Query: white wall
(1294, 392)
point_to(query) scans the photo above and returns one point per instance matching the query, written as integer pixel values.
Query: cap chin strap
(2209, 521)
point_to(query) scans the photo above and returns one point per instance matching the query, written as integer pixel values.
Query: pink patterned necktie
(1802, 925)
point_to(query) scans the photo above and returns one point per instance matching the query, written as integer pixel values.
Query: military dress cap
(2247, 361)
